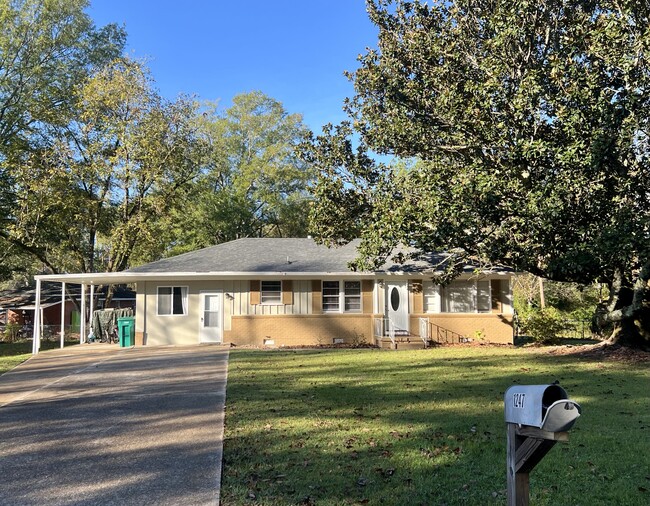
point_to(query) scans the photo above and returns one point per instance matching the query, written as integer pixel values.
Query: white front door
(211, 317)
(397, 304)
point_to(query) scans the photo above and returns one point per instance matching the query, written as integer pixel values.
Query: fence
(576, 329)
(14, 331)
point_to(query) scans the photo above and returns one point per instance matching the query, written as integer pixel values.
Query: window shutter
(255, 292)
(367, 286)
(418, 296)
(287, 291)
(316, 296)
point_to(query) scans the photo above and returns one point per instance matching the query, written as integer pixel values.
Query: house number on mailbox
(518, 400)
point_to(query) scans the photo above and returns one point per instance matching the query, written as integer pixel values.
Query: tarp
(104, 323)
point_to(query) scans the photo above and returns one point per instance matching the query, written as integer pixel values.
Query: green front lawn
(12, 354)
(424, 427)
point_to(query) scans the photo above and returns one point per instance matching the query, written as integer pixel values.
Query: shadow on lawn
(317, 427)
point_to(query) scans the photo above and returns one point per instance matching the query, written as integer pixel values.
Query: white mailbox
(546, 407)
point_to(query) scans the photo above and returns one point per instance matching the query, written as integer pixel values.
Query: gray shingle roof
(258, 255)
(283, 255)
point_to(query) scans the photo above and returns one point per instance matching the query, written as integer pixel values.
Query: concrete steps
(401, 343)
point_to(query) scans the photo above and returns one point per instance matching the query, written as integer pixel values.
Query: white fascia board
(100, 278)
(105, 278)
(464, 275)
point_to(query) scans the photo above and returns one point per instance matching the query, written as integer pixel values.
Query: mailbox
(546, 407)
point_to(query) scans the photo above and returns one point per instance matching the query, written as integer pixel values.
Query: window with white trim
(342, 294)
(352, 295)
(172, 300)
(466, 296)
(271, 292)
(431, 293)
(331, 296)
(483, 300)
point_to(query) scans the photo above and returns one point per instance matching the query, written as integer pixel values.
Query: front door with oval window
(397, 305)
(211, 320)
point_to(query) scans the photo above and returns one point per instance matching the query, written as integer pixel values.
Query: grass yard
(338, 427)
(12, 354)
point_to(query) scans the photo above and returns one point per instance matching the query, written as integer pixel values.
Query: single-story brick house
(286, 292)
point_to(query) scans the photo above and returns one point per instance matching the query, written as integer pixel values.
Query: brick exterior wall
(295, 330)
(494, 328)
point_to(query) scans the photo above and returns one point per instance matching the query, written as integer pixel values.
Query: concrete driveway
(96, 424)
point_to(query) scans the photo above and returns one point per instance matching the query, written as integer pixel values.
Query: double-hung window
(342, 294)
(352, 296)
(172, 300)
(331, 302)
(271, 292)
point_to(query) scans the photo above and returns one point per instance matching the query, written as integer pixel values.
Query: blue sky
(293, 50)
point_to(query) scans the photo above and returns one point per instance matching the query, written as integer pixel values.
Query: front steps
(401, 343)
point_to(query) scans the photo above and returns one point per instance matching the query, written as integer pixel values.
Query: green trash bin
(126, 331)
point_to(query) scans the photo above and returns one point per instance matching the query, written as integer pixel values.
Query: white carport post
(62, 313)
(36, 342)
(82, 324)
(92, 303)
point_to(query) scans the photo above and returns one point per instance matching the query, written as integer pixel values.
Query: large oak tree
(525, 130)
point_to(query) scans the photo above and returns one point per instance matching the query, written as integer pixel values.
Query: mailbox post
(537, 417)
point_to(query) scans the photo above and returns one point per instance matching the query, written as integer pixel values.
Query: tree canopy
(252, 183)
(98, 172)
(525, 130)
(46, 49)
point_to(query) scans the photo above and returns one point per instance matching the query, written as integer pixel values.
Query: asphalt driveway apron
(102, 425)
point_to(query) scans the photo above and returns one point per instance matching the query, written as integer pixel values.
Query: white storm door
(211, 317)
(397, 304)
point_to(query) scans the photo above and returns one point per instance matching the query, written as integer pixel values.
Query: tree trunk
(542, 297)
(628, 312)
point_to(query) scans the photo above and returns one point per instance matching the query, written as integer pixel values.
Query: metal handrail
(383, 327)
(443, 333)
(424, 331)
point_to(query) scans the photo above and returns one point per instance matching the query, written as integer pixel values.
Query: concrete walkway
(96, 424)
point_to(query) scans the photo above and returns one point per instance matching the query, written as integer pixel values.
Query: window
(330, 296)
(352, 297)
(460, 297)
(271, 292)
(467, 297)
(483, 301)
(342, 294)
(431, 293)
(172, 300)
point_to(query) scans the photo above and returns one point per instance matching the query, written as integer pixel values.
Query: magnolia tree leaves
(525, 126)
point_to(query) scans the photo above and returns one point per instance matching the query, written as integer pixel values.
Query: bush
(543, 326)
(11, 331)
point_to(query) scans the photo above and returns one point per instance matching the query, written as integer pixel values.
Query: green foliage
(252, 184)
(528, 125)
(118, 167)
(11, 331)
(571, 300)
(543, 326)
(46, 49)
